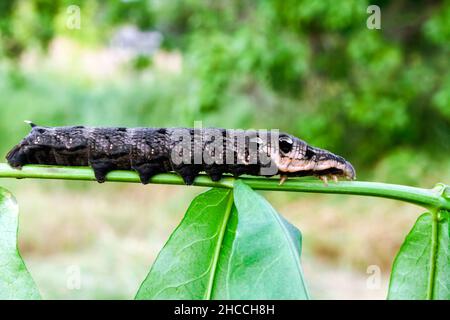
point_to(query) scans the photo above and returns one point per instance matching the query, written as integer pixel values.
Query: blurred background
(378, 97)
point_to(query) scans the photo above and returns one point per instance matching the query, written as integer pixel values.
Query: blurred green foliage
(312, 68)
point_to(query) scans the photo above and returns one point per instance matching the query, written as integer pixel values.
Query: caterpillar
(186, 151)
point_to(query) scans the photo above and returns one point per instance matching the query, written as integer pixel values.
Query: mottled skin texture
(150, 151)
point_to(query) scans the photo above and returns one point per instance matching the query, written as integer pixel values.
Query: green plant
(274, 62)
(232, 244)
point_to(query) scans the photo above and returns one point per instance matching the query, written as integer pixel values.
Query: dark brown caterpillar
(150, 151)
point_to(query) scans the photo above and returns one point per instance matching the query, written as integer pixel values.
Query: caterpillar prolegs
(186, 151)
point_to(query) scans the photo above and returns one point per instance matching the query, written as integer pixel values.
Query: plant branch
(429, 198)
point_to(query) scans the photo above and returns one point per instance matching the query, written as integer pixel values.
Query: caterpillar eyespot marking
(186, 151)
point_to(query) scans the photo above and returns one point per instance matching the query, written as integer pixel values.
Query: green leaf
(421, 269)
(185, 267)
(262, 260)
(226, 251)
(15, 281)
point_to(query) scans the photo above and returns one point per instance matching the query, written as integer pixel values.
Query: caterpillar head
(295, 157)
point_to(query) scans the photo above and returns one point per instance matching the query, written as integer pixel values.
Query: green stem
(428, 198)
